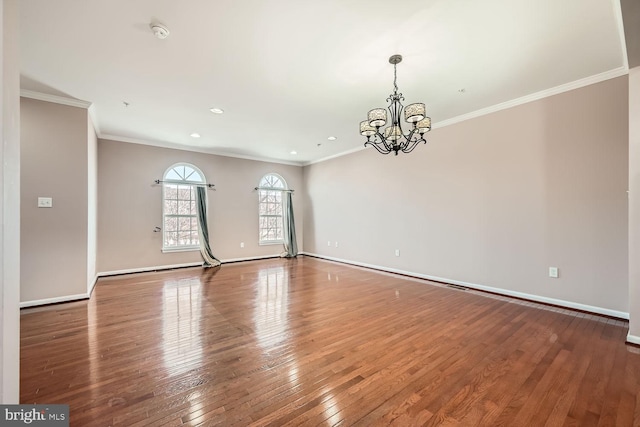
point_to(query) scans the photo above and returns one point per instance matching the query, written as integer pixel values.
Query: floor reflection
(293, 374)
(92, 345)
(271, 307)
(181, 335)
(331, 407)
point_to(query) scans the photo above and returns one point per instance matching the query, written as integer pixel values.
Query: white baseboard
(251, 258)
(633, 339)
(55, 300)
(65, 298)
(147, 269)
(500, 291)
(69, 298)
(93, 285)
(531, 297)
(172, 266)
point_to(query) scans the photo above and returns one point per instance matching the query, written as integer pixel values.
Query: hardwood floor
(310, 342)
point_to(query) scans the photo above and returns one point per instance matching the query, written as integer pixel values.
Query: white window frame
(265, 187)
(187, 181)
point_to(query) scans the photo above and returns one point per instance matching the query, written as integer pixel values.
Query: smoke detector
(160, 31)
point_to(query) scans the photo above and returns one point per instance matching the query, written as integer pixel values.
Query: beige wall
(130, 207)
(634, 205)
(10, 204)
(54, 164)
(492, 201)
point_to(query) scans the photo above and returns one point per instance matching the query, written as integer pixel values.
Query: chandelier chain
(395, 78)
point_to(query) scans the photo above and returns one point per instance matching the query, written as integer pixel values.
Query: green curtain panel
(203, 229)
(290, 243)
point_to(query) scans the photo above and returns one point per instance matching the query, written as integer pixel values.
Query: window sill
(181, 249)
(271, 242)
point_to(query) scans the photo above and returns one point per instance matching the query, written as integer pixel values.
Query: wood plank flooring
(309, 342)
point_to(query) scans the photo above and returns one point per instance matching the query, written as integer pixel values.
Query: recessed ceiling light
(216, 110)
(294, 152)
(332, 138)
(195, 135)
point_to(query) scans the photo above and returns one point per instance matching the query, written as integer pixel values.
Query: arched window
(179, 212)
(270, 208)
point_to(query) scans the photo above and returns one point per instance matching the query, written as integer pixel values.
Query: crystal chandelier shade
(392, 138)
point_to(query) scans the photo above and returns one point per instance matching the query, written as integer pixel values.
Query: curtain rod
(274, 189)
(195, 184)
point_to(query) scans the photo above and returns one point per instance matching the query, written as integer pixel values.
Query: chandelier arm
(410, 136)
(375, 145)
(409, 148)
(383, 140)
(415, 144)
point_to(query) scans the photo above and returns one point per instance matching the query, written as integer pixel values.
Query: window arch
(270, 208)
(179, 212)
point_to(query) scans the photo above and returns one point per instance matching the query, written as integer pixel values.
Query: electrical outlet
(397, 252)
(336, 244)
(329, 243)
(553, 272)
(242, 244)
(45, 202)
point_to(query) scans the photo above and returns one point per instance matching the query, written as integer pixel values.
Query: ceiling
(290, 73)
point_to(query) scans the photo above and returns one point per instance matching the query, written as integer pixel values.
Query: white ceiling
(290, 73)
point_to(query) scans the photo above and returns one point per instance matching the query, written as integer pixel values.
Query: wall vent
(458, 287)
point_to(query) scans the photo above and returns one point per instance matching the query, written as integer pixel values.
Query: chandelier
(392, 138)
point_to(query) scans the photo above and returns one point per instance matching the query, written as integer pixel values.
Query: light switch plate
(553, 272)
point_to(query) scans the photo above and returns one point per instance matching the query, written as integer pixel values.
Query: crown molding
(56, 99)
(577, 84)
(173, 146)
(597, 78)
(333, 156)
